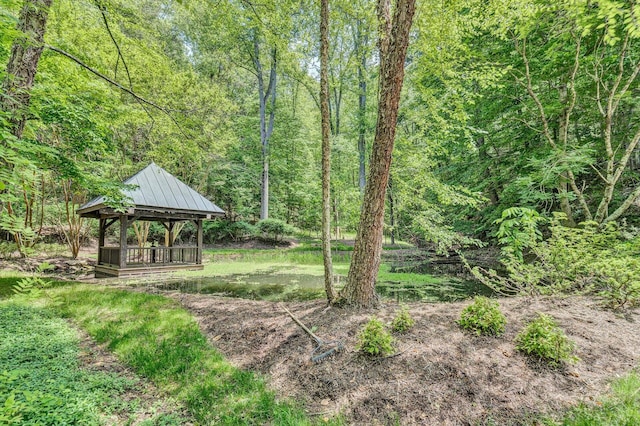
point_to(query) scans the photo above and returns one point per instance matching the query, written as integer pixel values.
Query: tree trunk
(326, 150)
(267, 98)
(361, 53)
(23, 63)
(360, 287)
(392, 217)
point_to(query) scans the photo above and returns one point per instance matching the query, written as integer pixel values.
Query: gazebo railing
(149, 255)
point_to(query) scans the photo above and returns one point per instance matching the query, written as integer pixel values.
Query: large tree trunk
(360, 287)
(326, 150)
(23, 63)
(392, 216)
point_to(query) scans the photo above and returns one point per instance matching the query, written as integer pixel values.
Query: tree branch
(116, 84)
(121, 58)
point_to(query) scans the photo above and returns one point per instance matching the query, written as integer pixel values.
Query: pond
(280, 285)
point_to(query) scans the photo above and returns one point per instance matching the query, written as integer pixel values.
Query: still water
(278, 285)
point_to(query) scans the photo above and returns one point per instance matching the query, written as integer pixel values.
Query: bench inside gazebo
(158, 197)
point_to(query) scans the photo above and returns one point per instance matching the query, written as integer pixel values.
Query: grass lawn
(621, 407)
(41, 382)
(162, 341)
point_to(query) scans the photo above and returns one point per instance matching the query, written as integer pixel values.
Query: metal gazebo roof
(160, 192)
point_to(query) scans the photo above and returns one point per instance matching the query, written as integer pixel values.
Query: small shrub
(224, 230)
(483, 316)
(403, 321)
(374, 340)
(543, 339)
(274, 229)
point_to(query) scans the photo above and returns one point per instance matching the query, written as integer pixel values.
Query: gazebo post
(101, 233)
(170, 242)
(123, 241)
(199, 242)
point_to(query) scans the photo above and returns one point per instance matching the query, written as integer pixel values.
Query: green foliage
(588, 259)
(519, 230)
(374, 339)
(483, 316)
(33, 287)
(543, 339)
(223, 230)
(403, 321)
(274, 229)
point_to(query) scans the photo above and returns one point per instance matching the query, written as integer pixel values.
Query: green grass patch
(6, 286)
(620, 407)
(162, 341)
(40, 379)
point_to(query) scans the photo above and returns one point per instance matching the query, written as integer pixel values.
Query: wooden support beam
(108, 222)
(123, 241)
(101, 230)
(199, 243)
(170, 242)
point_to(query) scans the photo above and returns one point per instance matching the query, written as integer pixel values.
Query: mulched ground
(439, 374)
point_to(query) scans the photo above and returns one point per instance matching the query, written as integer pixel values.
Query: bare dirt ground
(439, 375)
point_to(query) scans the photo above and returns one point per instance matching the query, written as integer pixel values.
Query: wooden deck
(148, 260)
(103, 271)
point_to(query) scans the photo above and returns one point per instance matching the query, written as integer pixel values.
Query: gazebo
(158, 197)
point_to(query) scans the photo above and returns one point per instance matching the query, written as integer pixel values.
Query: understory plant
(587, 259)
(274, 229)
(374, 339)
(483, 316)
(403, 321)
(544, 340)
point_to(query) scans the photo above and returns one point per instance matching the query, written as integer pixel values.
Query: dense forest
(505, 103)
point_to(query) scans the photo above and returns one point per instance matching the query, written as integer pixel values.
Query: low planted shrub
(483, 316)
(543, 339)
(403, 321)
(225, 230)
(274, 229)
(374, 339)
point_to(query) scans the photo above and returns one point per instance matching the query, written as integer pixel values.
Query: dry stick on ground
(325, 348)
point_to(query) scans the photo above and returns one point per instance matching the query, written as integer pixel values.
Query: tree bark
(360, 288)
(267, 98)
(392, 216)
(23, 63)
(361, 54)
(326, 151)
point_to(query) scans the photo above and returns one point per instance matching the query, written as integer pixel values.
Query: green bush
(274, 229)
(403, 321)
(587, 259)
(225, 230)
(483, 316)
(374, 340)
(543, 339)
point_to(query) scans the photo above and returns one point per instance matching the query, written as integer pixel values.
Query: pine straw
(439, 374)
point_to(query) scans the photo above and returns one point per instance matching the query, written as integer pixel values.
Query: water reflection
(276, 285)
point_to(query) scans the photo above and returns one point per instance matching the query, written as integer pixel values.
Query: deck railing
(149, 255)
